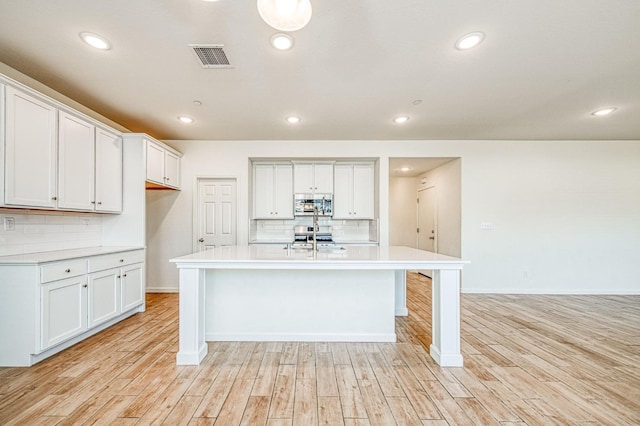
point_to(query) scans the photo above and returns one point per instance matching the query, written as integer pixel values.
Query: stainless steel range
(304, 237)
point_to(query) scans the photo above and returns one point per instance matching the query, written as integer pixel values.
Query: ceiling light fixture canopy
(285, 15)
(401, 119)
(470, 40)
(282, 41)
(603, 111)
(94, 40)
(185, 119)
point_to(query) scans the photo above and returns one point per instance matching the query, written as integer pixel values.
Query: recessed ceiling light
(470, 40)
(603, 111)
(185, 119)
(94, 40)
(293, 119)
(401, 119)
(405, 169)
(282, 41)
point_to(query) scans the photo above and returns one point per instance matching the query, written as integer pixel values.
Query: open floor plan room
(528, 360)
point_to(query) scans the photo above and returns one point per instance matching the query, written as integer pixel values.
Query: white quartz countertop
(351, 257)
(52, 256)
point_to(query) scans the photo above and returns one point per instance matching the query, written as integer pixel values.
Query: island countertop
(350, 257)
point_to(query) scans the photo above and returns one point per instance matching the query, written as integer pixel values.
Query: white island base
(261, 293)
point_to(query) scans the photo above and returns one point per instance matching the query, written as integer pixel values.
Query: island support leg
(191, 345)
(445, 327)
(401, 293)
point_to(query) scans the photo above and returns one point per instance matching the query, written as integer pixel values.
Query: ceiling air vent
(211, 55)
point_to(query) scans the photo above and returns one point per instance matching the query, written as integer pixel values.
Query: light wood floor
(568, 360)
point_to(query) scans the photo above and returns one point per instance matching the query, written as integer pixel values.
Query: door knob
(201, 240)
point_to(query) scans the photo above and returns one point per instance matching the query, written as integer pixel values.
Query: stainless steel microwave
(306, 204)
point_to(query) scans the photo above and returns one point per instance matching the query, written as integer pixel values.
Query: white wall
(402, 211)
(565, 214)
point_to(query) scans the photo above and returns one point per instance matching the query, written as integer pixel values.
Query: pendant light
(285, 15)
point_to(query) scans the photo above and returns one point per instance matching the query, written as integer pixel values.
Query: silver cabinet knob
(201, 240)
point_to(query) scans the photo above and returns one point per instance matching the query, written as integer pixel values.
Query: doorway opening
(425, 203)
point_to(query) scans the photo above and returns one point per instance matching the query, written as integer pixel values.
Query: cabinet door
(303, 178)
(263, 191)
(323, 178)
(171, 169)
(155, 163)
(63, 310)
(283, 193)
(76, 163)
(343, 192)
(30, 151)
(132, 286)
(103, 296)
(363, 191)
(108, 172)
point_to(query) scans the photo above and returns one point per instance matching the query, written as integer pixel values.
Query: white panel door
(30, 151)
(108, 172)
(427, 223)
(76, 163)
(216, 218)
(64, 310)
(103, 296)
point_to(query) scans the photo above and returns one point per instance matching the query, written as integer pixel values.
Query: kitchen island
(263, 293)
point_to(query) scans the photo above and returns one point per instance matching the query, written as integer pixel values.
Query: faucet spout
(315, 228)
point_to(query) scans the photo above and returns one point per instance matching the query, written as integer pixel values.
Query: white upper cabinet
(76, 163)
(56, 159)
(108, 177)
(354, 191)
(30, 151)
(272, 191)
(163, 166)
(89, 167)
(313, 178)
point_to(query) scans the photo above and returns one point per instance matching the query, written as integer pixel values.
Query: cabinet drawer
(115, 260)
(64, 269)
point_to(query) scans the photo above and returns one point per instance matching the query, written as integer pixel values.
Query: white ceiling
(544, 66)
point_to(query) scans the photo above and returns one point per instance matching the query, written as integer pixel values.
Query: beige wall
(402, 211)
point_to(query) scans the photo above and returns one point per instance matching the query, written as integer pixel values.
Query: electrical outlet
(9, 224)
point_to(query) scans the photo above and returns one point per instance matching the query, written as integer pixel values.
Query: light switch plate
(9, 224)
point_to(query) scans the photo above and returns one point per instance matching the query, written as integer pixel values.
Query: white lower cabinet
(132, 286)
(49, 306)
(63, 310)
(103, 296)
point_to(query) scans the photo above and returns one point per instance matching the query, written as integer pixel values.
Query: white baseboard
(162, 290)
(581, 292)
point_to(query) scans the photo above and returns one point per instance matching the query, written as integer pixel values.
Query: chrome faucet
(315, 228)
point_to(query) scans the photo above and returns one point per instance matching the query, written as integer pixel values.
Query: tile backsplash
(47, 231)
(364, 231)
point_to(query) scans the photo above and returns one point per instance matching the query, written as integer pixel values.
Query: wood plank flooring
(529, 360)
